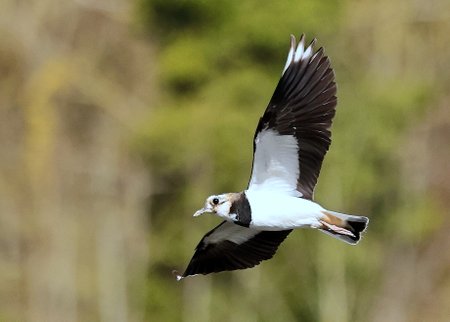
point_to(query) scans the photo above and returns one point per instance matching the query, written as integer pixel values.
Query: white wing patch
(275, 163)
(232, 232)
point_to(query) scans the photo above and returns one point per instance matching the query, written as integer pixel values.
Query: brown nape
(234, 196)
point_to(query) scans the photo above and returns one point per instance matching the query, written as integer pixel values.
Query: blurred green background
(119, 117)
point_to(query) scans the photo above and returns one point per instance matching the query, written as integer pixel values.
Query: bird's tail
(347, 228)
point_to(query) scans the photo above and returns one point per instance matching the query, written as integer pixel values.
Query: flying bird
(290, 142)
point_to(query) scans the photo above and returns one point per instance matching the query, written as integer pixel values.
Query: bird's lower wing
(229, 247)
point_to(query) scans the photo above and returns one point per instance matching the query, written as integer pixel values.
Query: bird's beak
(201, 212)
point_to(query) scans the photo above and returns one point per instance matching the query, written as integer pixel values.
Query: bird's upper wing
(228, 247)
(293, 135)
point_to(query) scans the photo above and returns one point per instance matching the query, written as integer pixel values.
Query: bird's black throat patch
(241, 207)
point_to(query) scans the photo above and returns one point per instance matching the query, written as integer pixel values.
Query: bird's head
(219, 205)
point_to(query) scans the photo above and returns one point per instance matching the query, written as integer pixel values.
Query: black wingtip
(318, 52)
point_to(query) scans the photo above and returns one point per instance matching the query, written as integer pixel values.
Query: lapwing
(290, 142)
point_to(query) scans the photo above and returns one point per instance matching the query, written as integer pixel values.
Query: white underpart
(274, 211)
(297, 54)
(232, 232)
(275, 164)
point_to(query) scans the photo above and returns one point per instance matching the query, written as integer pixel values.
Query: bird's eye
(215, 201)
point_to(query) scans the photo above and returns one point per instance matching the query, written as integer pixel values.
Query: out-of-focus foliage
(74, 82)
(118, 118)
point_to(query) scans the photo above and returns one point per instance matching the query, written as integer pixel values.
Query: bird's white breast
(276, 211)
